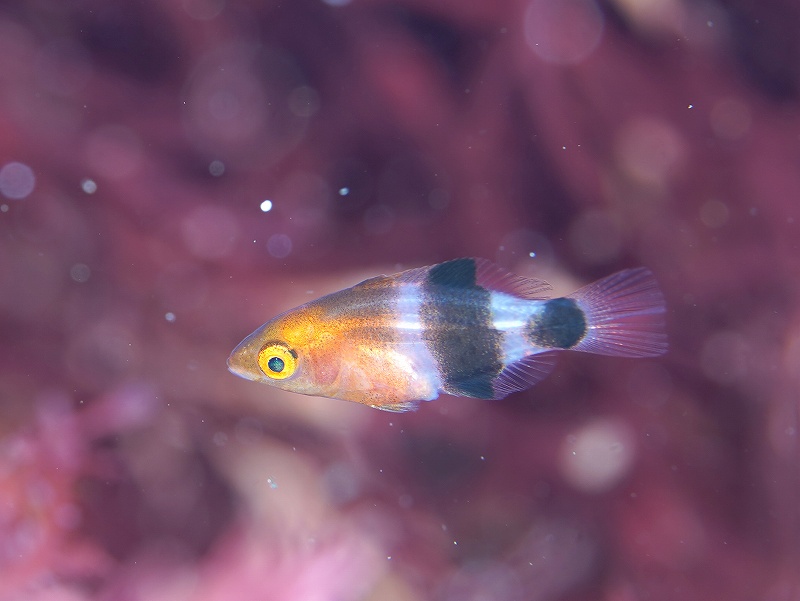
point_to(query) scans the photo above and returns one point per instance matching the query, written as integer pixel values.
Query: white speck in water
(691, 106)
(272, 483)
(532, 255)
(88, 185)
(80, 273)
(483, 458)
(344, 191)
(216, 168)
(169, 316)
(16, 180)
(266, 206)
(4, 208)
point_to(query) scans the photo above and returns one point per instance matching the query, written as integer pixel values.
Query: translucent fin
(479, 386)
(399, 407)
(624, 315)
(523, 374)
(468, 273)
(412, 276)
(458, 273)
(495, 278)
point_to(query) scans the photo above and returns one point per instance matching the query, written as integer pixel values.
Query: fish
(465, 327)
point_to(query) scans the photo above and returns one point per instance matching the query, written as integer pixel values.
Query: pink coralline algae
(173, 174)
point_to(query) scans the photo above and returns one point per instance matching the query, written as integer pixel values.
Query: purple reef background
(174, 173)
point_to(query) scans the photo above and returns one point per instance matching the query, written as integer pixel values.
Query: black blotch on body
(458, 331)
(459, 273)
(561, 324)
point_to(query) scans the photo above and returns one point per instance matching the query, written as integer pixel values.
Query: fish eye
(277, 360)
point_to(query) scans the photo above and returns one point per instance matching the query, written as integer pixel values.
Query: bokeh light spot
(266, 206)
(649, 151)
(653, 17)
(169, 316)
(596, 457)
(80, 273)
(714, 213)
(216, 168)
(730, 119)
(438, 198)
(279, 246)
(564, 32)
(89, 186)
(16, 180)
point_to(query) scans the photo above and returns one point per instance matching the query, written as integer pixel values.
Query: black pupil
(275, 364)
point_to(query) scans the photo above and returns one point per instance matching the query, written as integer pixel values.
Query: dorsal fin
(493, 277)
(458, 273)
(469, 273)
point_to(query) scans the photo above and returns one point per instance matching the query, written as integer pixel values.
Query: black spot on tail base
(561, 324)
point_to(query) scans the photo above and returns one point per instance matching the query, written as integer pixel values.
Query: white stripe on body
(511, 315)
(421, 364)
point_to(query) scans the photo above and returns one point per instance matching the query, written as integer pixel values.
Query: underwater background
(173, 173)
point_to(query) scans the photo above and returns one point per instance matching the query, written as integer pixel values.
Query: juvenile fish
(465, 327)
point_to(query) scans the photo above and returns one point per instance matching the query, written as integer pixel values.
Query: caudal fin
(624, 315)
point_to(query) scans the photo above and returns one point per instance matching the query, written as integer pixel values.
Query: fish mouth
(237, 363)
(234, 367)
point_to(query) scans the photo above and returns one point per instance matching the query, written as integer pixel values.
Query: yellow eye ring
(277, 360)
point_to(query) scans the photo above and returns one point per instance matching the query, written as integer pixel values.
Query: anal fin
(523, 374)
(398, 406)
